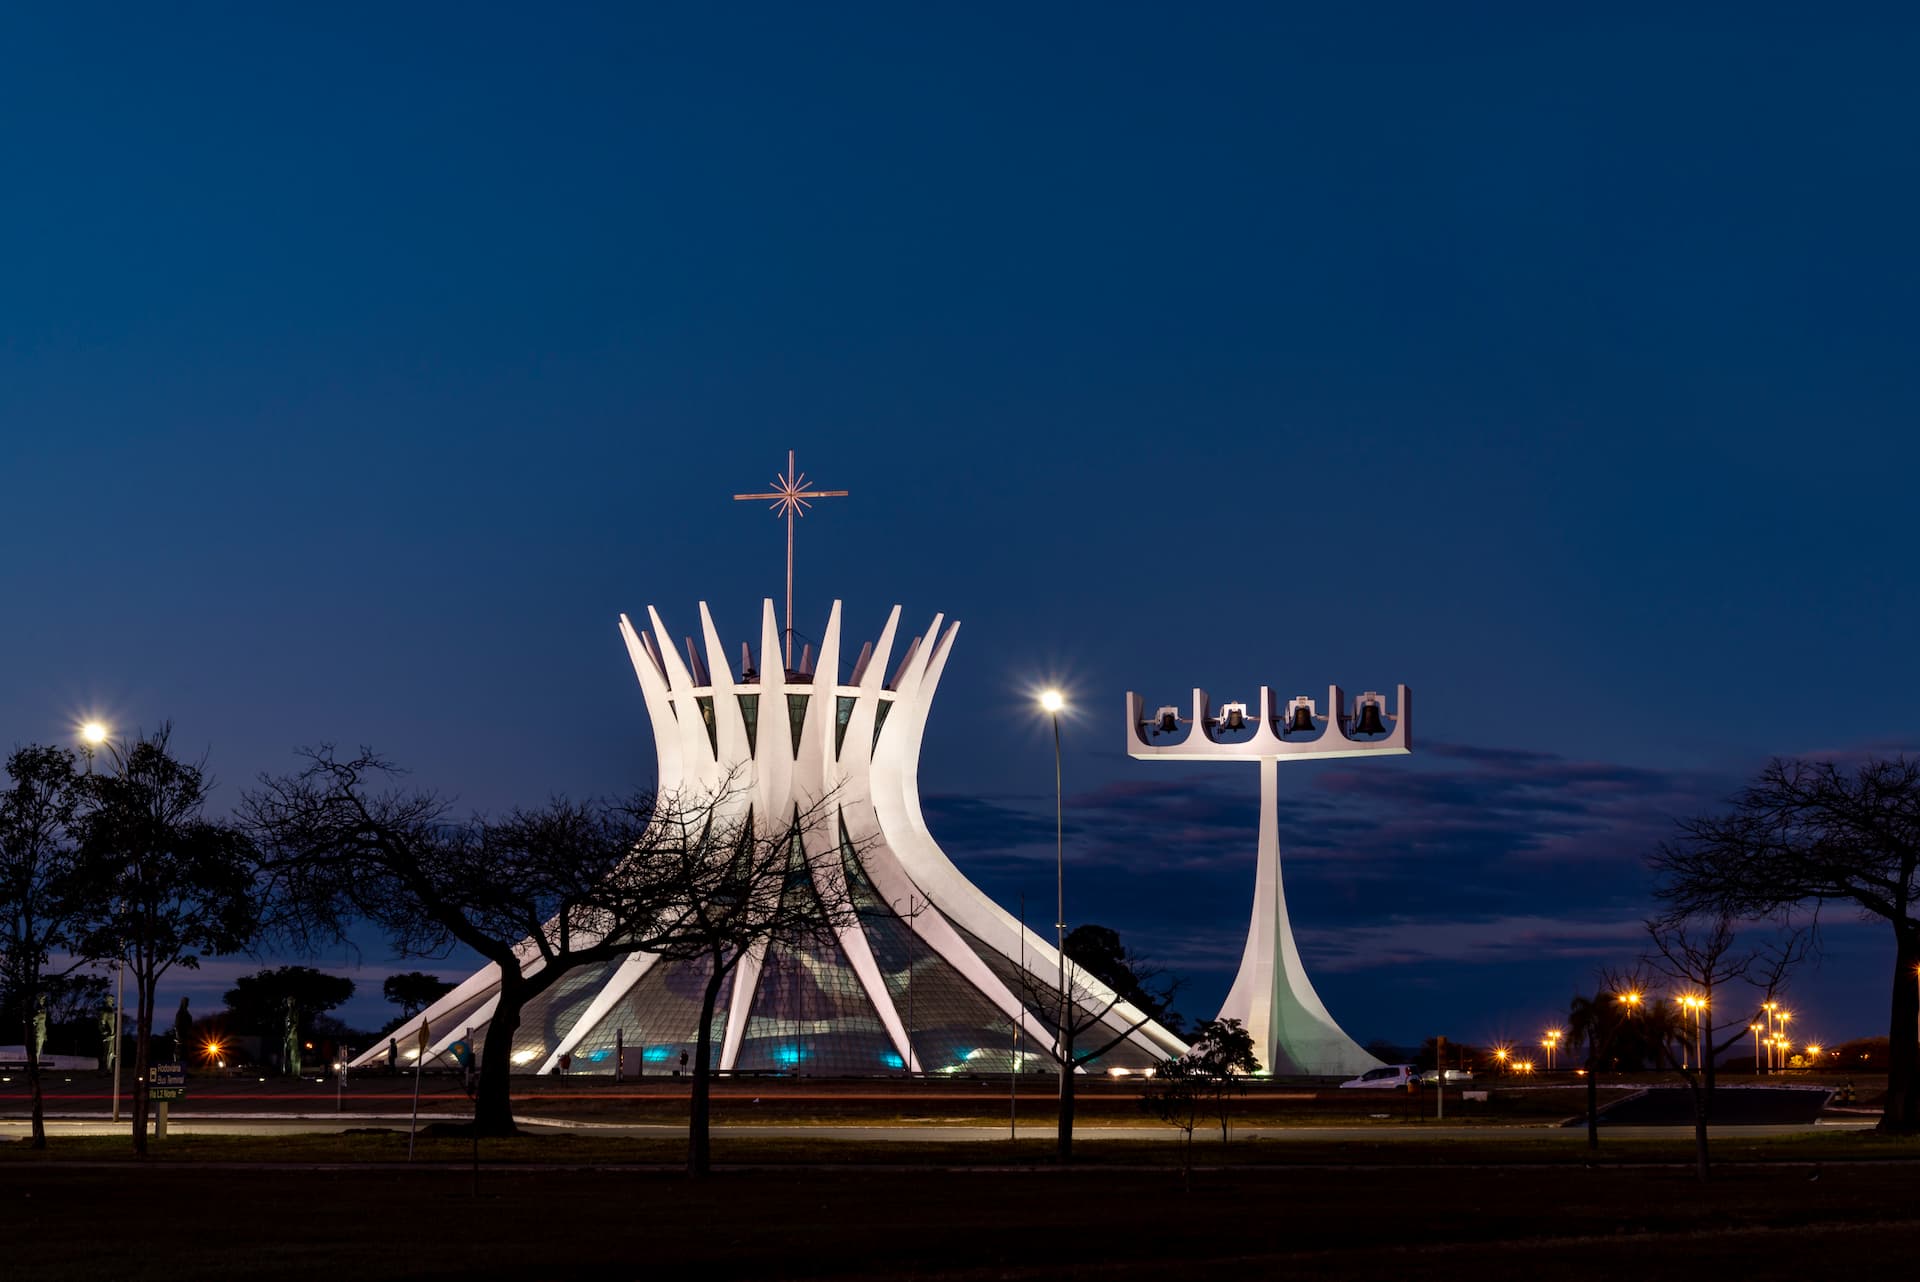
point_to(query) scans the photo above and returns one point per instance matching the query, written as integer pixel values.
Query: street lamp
(92, 734)
(1755, 1030)
(1052, 702)
(1552, 1042)
(1697, 1007)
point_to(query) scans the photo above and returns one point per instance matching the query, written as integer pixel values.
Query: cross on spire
(791, 497)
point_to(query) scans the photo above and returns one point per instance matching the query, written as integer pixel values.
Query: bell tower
(1272, 996)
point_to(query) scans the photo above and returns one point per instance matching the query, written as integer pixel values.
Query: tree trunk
(143, 1030)
(1700, 1131)
(699, 1136)
(1064, 1150)
(1902, 1113)
(1186, 1170)
(493, 1097)
(1593, 1101)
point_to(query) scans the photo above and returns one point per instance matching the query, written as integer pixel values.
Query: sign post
(419, 1063)
(165, 1083)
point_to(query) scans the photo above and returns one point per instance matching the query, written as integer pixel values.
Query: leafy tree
(414, 991)
(1174, 1096)
(281, 1003)
(166, 885)
(1213, 1070)
(73, 1003)
(1614, 1026)
(42, 900)
(1223, 1049)
(1098, 951)
(1809, 834)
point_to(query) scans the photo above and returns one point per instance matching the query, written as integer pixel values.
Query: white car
(1432, 1076)
(1392, 1077)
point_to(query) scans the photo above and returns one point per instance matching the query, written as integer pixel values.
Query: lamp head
(1052, 700)
(94, 733)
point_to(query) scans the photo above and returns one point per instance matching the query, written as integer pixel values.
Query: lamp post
(1052, 702)
(1552, 1042)
(1631, 1000)
(915, 906)
(1696, 1006)
(92, 735)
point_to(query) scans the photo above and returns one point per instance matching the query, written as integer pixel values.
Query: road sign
(166, 1081)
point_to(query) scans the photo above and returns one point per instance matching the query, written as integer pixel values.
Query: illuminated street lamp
(1052, 702)
(1552, 1042)
(93, 733)
(1755, 1030)
(1500, 1053)
(1696, 1006)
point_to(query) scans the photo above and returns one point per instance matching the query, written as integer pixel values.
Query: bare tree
(1090, 1019)
(40, 897)
(737, 889)
(1811, 833)
(165, 885)
(1703, 954)
(542, 892)
(536, 892)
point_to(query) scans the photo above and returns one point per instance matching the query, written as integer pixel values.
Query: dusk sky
(358, 368)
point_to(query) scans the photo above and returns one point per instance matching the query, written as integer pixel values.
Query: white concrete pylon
(1293, 1034)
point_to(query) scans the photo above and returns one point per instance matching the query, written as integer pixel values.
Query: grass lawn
(165, 1220)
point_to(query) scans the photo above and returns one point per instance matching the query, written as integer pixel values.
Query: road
(254, 1123)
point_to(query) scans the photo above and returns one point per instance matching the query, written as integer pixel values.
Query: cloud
(1462, 853)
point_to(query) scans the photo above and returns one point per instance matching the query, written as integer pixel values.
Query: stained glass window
(706, 714)
(953, 1026)
(796, 717)
(811, 1015)
(660, 1016)
(843, 712)
(750, 713)
(550, 1016)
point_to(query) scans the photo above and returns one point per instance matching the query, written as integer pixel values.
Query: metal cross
(790, 497)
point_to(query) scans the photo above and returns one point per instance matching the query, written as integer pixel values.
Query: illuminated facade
(931, 973)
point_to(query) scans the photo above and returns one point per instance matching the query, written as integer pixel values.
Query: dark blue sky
(357, 369)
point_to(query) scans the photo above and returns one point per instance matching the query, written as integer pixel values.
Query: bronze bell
(1169, 722)
(1369, 719)
(1235, 719)
(1302, 720)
